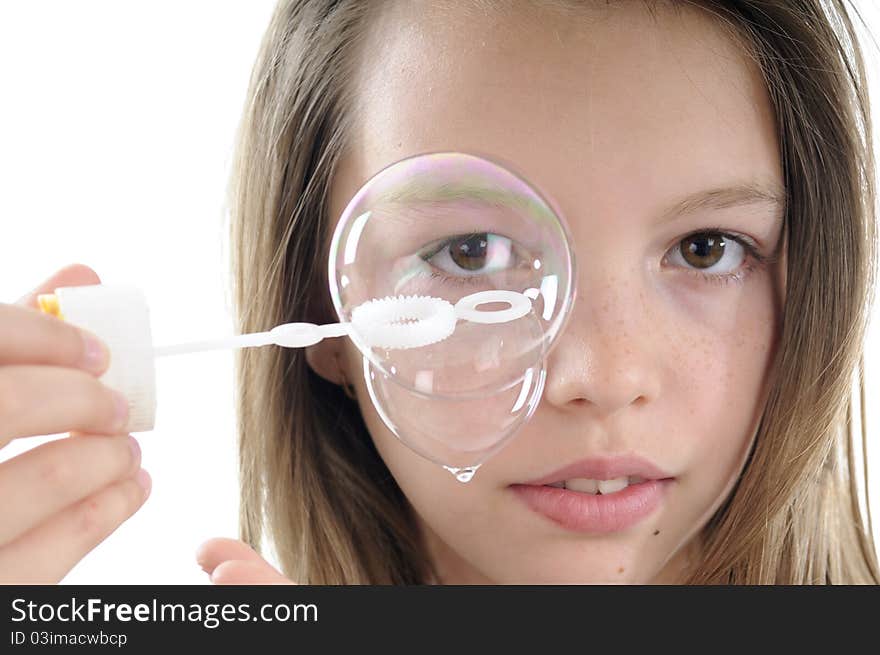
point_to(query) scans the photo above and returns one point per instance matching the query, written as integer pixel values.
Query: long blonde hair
(311, 478)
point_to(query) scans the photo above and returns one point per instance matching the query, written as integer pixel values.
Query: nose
(607, 358)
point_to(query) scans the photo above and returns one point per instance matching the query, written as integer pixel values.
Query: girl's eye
(715, 256)
(474, 254)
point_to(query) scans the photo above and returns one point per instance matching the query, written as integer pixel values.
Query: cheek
(720, 355)
(724, 351)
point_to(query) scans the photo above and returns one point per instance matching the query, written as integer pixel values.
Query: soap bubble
(455, 276)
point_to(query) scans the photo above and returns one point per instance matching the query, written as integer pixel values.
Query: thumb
(72, 275)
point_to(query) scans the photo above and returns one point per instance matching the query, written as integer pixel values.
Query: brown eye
(715, 256)
(475, 254)
(470, 252)
(703, 250)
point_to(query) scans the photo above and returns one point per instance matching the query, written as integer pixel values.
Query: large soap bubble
(455, 277)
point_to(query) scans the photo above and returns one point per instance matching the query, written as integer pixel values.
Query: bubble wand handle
(382, 322)
(289, 335)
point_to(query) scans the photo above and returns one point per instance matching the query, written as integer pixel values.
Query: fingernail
(121, 412)
(95, 354)
(135, 449)
(144, 480)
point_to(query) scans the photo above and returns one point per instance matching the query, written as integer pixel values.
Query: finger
(242, 572)
(218, 550)
(72, 275)
(39, 400)
(31, 337)
(48, 552)
(40, 482)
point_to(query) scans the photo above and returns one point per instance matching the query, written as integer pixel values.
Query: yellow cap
(49, 305)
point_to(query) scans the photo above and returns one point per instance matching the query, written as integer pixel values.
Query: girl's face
(618, 115)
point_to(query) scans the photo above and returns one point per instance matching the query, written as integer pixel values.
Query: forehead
(616, 106)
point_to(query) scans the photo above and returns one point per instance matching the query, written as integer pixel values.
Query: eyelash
(754, 259)
(461, 281)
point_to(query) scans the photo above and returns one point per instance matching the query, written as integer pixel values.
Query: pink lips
(582, 512)
(605, 468)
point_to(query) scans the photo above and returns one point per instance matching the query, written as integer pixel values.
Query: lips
(605, 468)
(582, 511)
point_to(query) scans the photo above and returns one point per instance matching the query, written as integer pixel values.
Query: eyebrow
(751, 193)
(769, 195)
(415, 194)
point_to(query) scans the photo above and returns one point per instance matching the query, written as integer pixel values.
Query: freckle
(620, 570)
(656, 532)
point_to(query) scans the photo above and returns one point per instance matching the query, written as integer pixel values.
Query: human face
(616, 115)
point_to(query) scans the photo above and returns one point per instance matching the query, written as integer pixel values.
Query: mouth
(598, 495)
(596, 487)
(603, 475)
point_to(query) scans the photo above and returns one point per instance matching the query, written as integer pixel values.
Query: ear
(324, 358)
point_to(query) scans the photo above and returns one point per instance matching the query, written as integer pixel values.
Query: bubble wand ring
(404, 321)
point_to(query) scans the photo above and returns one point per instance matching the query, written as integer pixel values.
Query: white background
(116, 131)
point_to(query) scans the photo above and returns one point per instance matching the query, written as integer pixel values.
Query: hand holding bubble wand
(452, 380)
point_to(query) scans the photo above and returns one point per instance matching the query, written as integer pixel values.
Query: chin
(597, 573)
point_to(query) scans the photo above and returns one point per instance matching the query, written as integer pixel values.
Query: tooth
(636, 479)
(560, 484)
(611, 486)
(582, 484)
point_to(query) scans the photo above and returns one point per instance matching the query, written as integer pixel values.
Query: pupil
(470, 254)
